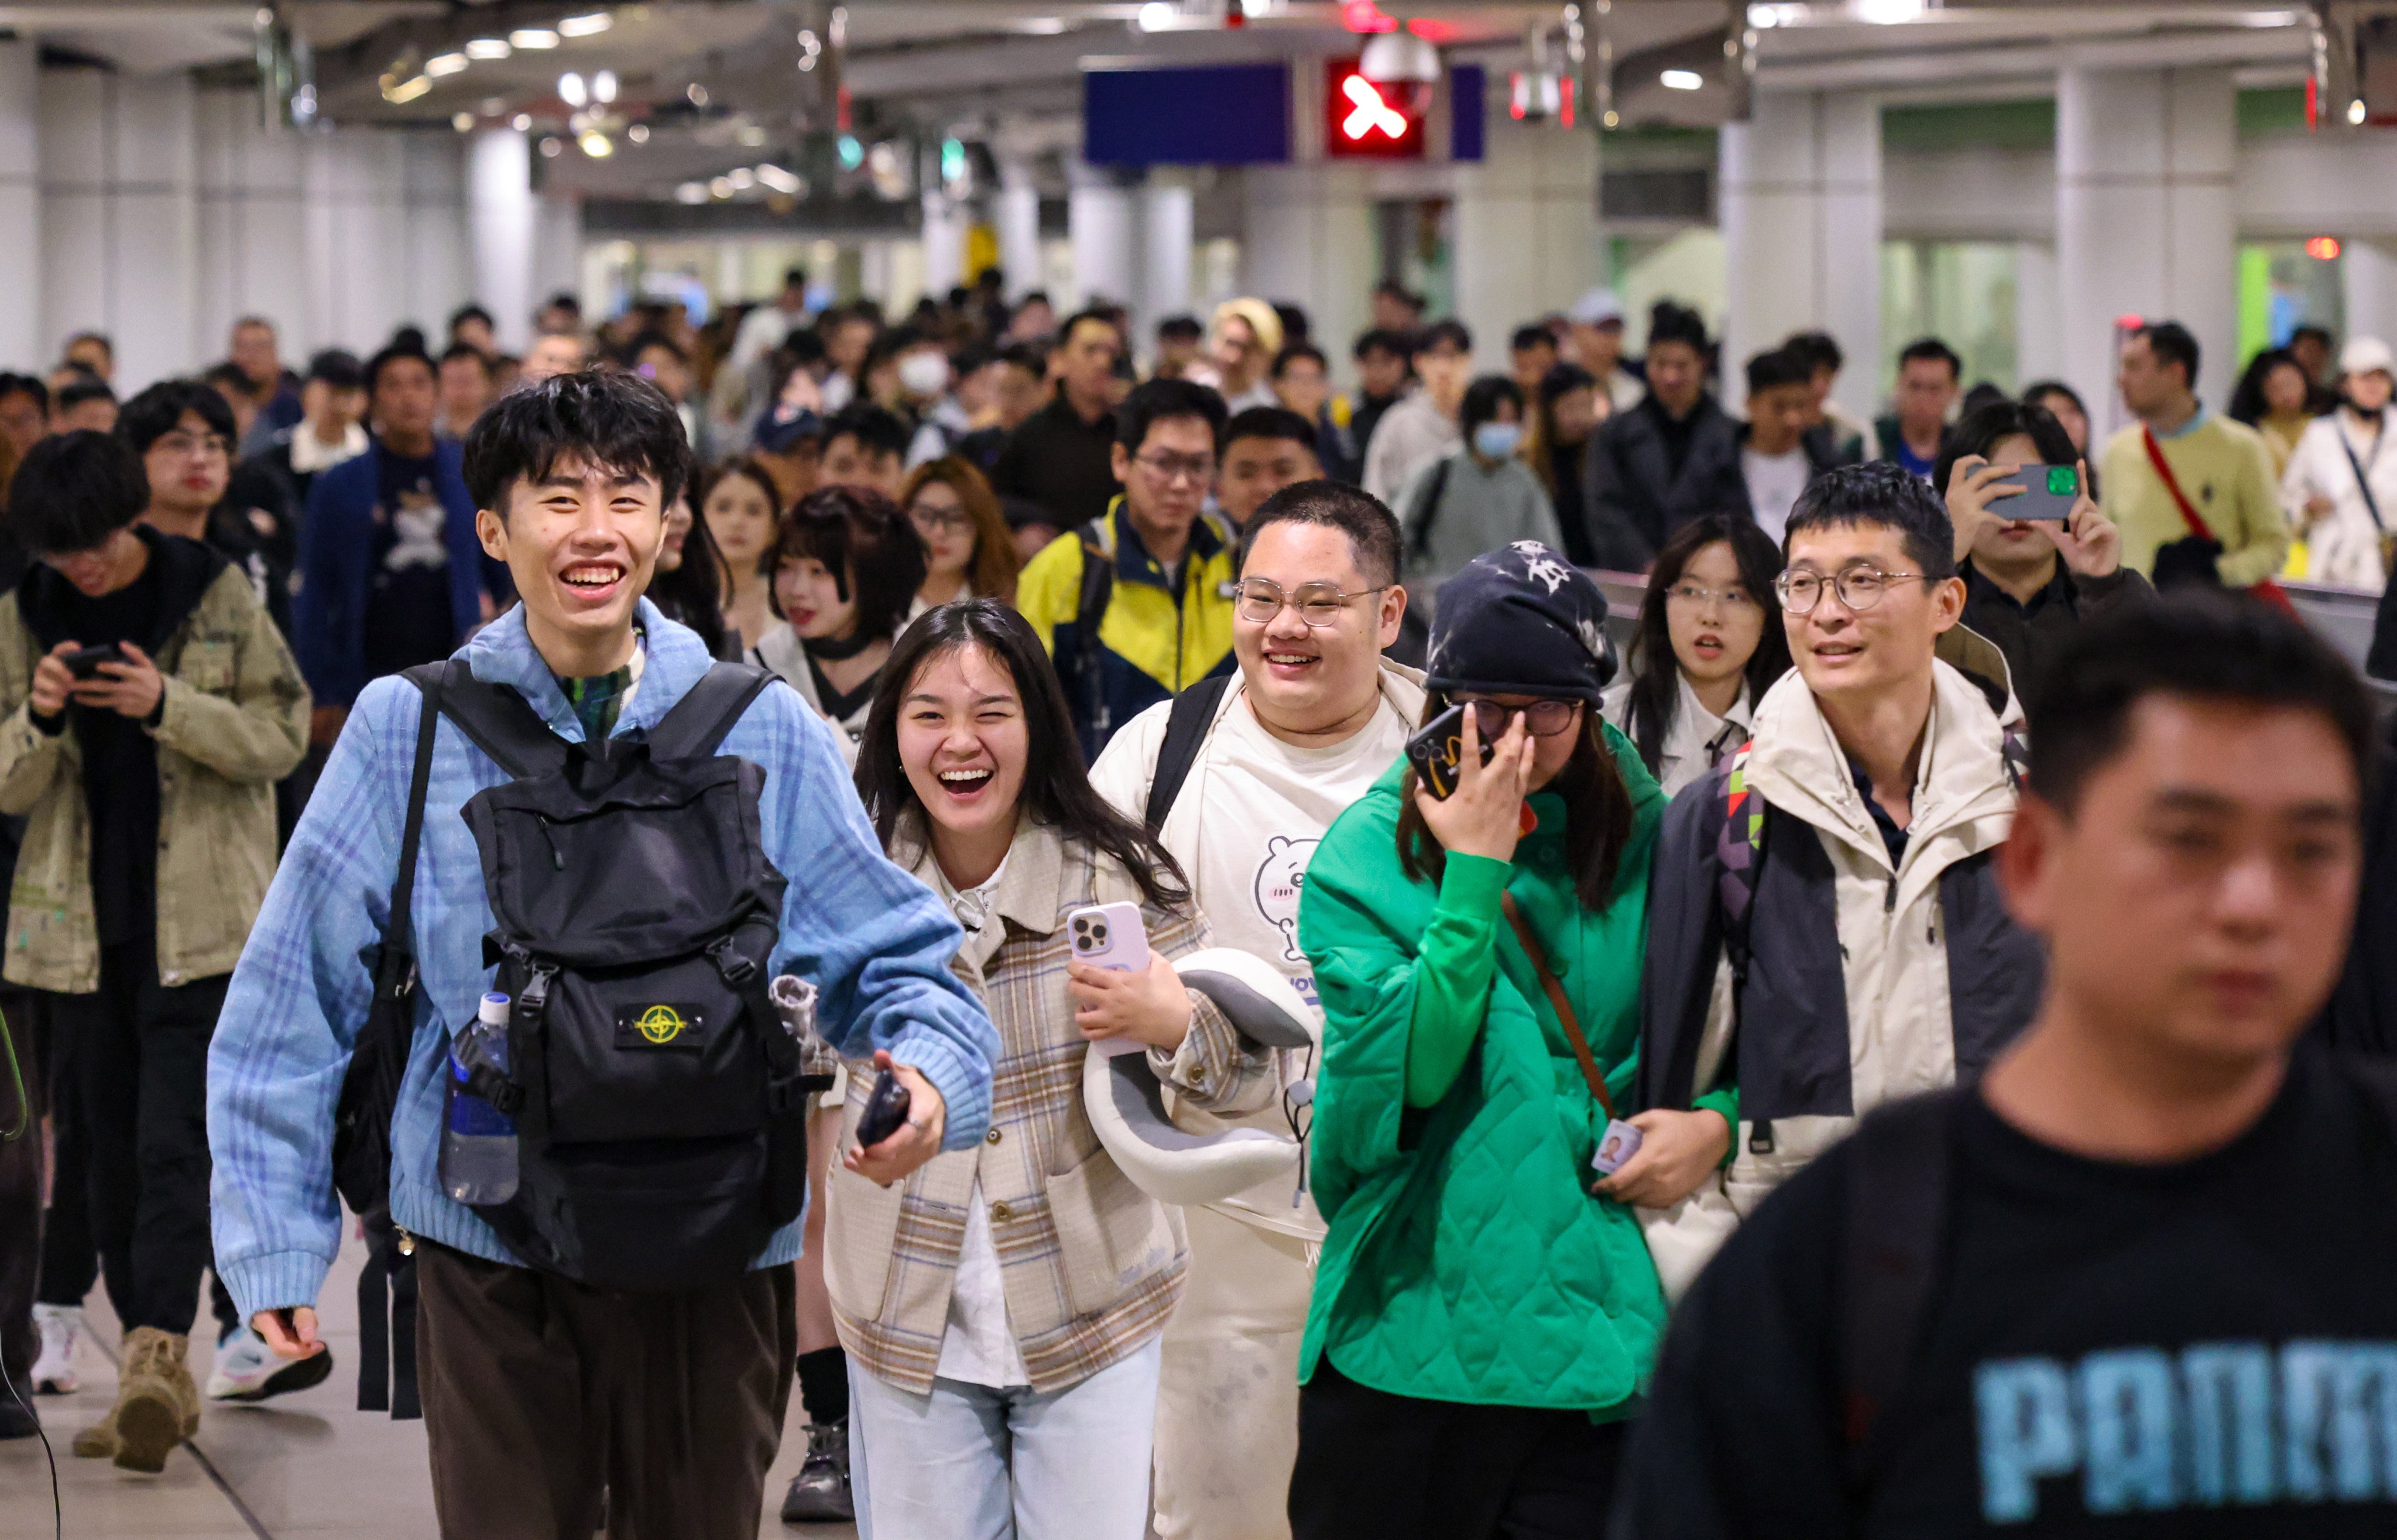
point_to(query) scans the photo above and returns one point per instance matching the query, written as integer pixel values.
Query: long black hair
(2247, 403)
(1057, 790)
(1598, 812)
(689, 592)
(1655, 672)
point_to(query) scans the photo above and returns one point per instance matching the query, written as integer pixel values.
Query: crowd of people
(1222, 1001)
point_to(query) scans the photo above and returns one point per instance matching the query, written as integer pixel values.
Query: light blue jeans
(970, 1463)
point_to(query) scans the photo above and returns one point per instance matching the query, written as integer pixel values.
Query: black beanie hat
(1521, 620)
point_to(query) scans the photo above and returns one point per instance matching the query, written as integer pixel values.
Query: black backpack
(660, 1105)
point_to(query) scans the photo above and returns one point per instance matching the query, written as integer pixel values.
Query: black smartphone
(886, 1111)
(2048, 492)
(1437, 750)
(84, 661)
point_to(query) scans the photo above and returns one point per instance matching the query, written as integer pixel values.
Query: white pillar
(1098, 220)
(945, 244)
(501, 221)
(1801, 222)
(1307, 237)
(22, 340)
(1166, 222)
(2143, 220)
(1017, 213)
(2368, 275)
(2039, 340)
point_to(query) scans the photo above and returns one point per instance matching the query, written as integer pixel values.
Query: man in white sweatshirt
(1241, 794)
(1846, 944)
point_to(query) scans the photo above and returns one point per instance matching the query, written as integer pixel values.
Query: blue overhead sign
(1214, 114)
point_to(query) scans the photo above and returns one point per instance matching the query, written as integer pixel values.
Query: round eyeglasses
(1858, 588)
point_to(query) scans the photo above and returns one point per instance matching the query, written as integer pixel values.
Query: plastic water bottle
(478, 1141)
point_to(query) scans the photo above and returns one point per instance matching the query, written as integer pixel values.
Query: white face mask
(923, 374)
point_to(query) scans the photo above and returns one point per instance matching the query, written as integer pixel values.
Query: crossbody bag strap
(2171, 484)
(1557, 1002)
(2363, 480)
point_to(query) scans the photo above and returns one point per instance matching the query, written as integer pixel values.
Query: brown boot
(157, 1405)
(98, 1440)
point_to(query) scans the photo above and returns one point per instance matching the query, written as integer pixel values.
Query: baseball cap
(1596, 307)
(2365, 355)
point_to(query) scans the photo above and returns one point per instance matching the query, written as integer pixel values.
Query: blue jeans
(971, 1463)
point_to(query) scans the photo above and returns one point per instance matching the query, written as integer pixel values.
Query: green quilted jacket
(1467, 1260)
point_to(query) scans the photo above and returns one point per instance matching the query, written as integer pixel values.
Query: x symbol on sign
(1372, 110)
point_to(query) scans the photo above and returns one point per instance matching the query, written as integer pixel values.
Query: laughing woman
(1002, 1308)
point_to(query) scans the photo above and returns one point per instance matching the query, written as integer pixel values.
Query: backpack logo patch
(660, 1026)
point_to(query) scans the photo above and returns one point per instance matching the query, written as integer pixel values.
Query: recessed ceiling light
(1680, 80)
(691, 192)
(532, 39)
(603, 86)
(445, 63)
(741, 177)
(1156, 16)
(1038, 26)
(489, 47)
(463, 122)
(572, 90)
(550, 146)
(638, 133)
(595, 144)
(520, 122)
(721, 187)
(590, 25)
(403, 91)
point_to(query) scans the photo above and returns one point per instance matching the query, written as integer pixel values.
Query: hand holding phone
(1109, 935)
(1437, 752)
(84, 661)
(886, 1111)
(1483, 813)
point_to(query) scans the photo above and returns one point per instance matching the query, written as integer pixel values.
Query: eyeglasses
(932, 520)
(204, 446)
(1319, 604)
(1178, 467)
(1858, 588)
(1541, 719)
(1698, 597)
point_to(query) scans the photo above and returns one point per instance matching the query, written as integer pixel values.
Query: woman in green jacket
(1485, 1313)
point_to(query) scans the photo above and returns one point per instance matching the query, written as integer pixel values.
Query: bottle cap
(494, 1009)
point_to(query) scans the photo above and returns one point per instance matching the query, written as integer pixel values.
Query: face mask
(923, 374)
(1496, 440)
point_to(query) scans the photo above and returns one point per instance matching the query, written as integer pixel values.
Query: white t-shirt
(1244, 828)
(1773, 483)
(978, 1346)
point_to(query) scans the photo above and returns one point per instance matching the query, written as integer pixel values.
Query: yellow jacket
(2225, 473)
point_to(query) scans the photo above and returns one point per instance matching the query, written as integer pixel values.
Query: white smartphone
(1110, 935)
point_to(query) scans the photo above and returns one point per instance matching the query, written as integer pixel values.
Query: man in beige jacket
(147, 707)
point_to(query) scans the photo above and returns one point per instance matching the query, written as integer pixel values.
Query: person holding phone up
(2028, 580)
(1485, 1311)
(1003, 1308)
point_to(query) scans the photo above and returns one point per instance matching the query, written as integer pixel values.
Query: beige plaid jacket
(1091, 1265)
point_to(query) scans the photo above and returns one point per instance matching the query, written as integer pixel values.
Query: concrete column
(1801, 223)
(1307, 237)
(1098, 220)
(1166, 222)
(2143, 220)
(944, 243)
(2039, 340)
(22, 330)
(1525, 239)
(1016, 211)
(502, 220)
(2368, 274)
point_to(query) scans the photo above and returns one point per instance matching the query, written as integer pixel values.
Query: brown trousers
(539, 1393)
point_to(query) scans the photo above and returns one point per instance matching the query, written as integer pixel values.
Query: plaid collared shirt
(1092, 1266)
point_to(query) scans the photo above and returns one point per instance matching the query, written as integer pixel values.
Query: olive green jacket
(235, 720)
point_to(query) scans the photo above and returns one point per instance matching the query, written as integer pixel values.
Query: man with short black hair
(1530, 352)
(866, 446)
(391, 572)
(2134, 1281)
(1850, 435)
(1386, 362)
(84, 403)
(1178, 337)
(93, 352)
(2192, 492)
(553, 354)
(1136, 604)
(1868, 955)
(1266, 448)
(147, 707)
(331, 430)
(24, 411)
(1395, 307)
(472, 325)
(465, 387)
(1314, 716)
(1670, 459)
(1063, 455)
(273, 391)
(1780, 450)
(541, 1392)
(1423, 426)
(184, 432)
(1928, 376)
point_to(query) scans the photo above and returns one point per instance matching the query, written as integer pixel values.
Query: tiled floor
(305, 1464)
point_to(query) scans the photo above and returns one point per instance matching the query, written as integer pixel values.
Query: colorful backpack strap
(1739, 847)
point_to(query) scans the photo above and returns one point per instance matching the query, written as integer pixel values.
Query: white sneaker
(59, 1325)
(247, 1370)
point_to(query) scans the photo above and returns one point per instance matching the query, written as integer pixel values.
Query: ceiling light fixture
(603, 86)
(405, 91)
(1038, 26)
(741, 177)
(696, 94)
(442, 64)
(520, 122)
(1889, 13)
(691, 192)
(551, 147)
(532, 39)
(2356, 112)
(638, 133)
(1680, 80)
(572, 90)
(590, 25)
(488, 48)
(595, 144)
(463, 122)
(779, 179)
(1156, 16)
(721, 187)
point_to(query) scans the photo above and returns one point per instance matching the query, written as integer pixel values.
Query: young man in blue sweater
(537, 1391)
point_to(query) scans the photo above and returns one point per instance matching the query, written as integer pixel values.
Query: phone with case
(1109, 935)
(1438, 749)
(2048, 492)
